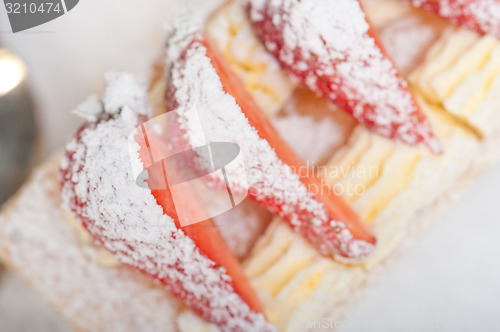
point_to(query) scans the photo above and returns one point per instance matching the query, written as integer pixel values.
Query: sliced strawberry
(277, 178)
(204, 234)
(140, 226)
(479, 15)
(331, 48)
(337, 208)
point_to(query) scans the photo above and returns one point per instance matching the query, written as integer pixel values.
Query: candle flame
(12, 71)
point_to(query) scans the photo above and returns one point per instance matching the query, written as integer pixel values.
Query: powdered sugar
(99, 188)
(479, 15)
(326, 45)
(194, 82)
(123, 90)
(90, 109)
(122, 93)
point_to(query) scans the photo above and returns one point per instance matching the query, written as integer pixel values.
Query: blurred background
(439, 282)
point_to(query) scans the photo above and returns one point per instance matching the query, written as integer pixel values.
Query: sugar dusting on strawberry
(99, 189)
(329, 47)
(193, 81)
(482, 16)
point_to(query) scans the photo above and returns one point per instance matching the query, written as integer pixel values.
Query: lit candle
(12, 71)
(17, 124)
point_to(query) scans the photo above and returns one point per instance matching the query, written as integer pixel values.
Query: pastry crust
(41, 246)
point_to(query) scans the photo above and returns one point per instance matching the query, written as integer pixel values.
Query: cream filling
(260, 72)
(461, 74)
(383, 12)
(298, 283)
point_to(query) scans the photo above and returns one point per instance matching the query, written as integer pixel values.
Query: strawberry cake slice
(141, 268)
